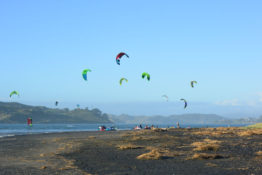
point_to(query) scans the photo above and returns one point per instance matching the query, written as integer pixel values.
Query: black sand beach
(175, 151)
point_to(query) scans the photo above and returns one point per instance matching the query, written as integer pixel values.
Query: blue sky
(45, 45)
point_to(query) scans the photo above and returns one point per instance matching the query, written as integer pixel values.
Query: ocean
(7, 130)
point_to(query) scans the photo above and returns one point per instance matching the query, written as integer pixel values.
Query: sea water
(23, 129)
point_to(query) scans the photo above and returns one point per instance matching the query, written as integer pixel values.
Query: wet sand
(175, 151)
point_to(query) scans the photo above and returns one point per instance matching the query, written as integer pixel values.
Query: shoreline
(172, 151)
(24, 130)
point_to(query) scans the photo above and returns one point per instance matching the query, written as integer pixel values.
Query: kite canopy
(119, 56)
(122, 79)
(147, 75)
(192, 83)
(84, 73)
(185, 102)
(13, 93)
(165, 96)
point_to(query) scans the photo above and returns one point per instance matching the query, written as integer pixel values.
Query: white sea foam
(8, 135)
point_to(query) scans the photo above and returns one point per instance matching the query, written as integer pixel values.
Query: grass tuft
(250, 132)
(206, 156)
(129, 146)
(43, 167)
(152, 155)
(259, 153)
(206, 145)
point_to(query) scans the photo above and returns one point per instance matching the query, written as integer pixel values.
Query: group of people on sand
(104, 128)
(138, 127)
(146, 127)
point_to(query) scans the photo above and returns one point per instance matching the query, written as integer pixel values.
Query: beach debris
(119, 56)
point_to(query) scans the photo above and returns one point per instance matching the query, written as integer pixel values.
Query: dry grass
(159, 129)
(152, 155)
(212, 141)
(259, 153)
(40, 161)
(58, 139)
(206, 145)
(43, 167)
(204, 133)
(206, 156)
(91, 137)
(68, 147)
(151, 138)
(217, 132)
(136, 133)
(68, 164)
(226, 128)
(250, 132)
(129, 146)
(211, 164)
(151, 148)
(172, 129)
(157, 153)
(144, 138)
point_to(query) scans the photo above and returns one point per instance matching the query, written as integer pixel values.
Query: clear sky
(45, 45)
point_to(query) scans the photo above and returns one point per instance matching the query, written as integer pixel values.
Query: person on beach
(147, 127)
(178, 125)
(29, 121)
(137, 127)
(102, 128)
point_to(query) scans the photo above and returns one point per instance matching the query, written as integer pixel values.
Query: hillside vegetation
(18, 113)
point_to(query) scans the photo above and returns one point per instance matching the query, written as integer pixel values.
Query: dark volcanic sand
(97, 153)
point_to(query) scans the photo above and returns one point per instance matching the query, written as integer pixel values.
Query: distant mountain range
(198, 119)
(18, 113)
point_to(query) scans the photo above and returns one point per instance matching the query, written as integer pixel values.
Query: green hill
(257, 125)
(18, 113)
